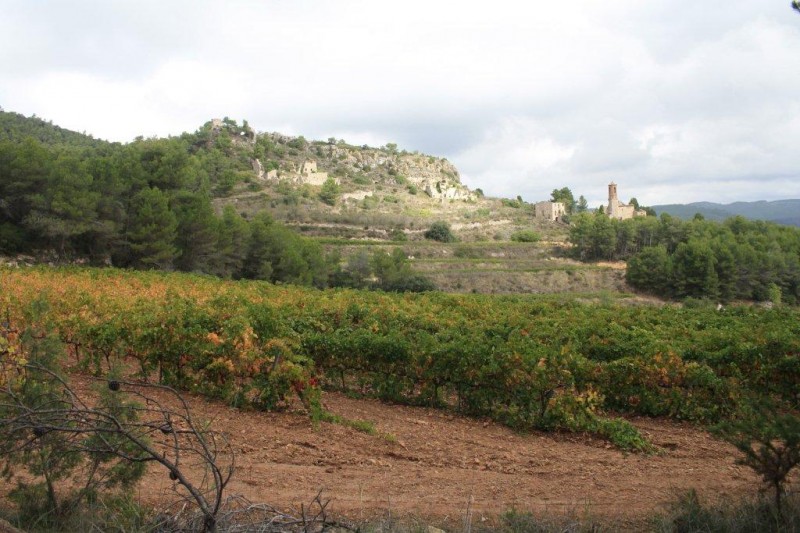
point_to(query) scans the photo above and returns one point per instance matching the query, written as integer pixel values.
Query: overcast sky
(675, 100)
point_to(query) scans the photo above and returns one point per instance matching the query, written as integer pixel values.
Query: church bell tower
(613, 201)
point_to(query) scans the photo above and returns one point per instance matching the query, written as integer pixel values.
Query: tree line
(148, 205)
(737, 259)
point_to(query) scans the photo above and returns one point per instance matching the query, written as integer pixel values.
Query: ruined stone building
(310, 175)
(617, 209)
(552, 211)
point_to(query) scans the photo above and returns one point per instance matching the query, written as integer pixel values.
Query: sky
(674, 100)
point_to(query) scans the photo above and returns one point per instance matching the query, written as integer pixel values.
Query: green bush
(440, 231)
(769, 439)
(67, 464)
(467, 252)
(525, 235)
(398, 235)
(329, 192)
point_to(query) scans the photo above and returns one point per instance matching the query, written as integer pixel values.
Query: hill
(374, 193)
(230, 201)
(16, 127)
(371, 191)
(780, 211)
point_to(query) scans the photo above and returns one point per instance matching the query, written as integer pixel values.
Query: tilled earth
(432, 464)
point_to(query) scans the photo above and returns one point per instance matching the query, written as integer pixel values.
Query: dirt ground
(435, 465)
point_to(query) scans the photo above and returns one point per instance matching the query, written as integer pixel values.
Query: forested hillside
(780, 211)
(226, 201)
(16, 127)
(149, 204)
(668, 257)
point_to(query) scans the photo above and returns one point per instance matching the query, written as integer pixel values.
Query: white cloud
(516, 157)
(522, 97)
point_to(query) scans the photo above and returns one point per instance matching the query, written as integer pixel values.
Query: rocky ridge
(302, 162)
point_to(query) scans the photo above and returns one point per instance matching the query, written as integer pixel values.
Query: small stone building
(308, 167)
(310, 175)
(552, 211)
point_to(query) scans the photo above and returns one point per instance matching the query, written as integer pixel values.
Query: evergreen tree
(649, 270)
(152, 230)
(693, 273)
(66, 207)
(330, 192)
(233, 234)
(165, 163)
(257, 264)
(23, 175)
(197, 232)
(564, 195)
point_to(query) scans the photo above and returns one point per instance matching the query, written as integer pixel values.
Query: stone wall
(258, 169)
(552, 211)
(314, 178)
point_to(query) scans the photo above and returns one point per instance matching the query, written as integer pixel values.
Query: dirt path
(436, 463)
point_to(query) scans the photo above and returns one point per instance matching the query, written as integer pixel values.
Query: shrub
(690, 515)
(525, 235)
(769, 441)
(440, 231)
(467, 252)
(409, 283)
(361, 179)
(370, 202)
(58, 440)
(515, 204)
(329, 192)
(398, 235)
(298, 143)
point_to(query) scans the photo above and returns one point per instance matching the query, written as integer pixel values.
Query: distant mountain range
(779, 211)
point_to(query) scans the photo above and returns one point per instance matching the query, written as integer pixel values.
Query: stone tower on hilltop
(617, 209)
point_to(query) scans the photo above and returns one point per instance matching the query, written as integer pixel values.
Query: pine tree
(152, 231)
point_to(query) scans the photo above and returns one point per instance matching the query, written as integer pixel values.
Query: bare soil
(433, 464)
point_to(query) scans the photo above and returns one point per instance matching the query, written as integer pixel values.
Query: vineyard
(548, 363)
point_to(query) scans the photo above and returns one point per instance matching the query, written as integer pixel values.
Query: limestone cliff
(276, 160)
(299, 161)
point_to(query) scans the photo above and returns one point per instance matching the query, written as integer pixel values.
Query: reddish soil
(437, 463)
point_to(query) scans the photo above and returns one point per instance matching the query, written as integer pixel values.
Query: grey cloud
(113, 39)
(522, 97)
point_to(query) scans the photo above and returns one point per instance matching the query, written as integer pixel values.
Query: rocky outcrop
(258, 169)
(357, 195)
(437, 177)
(304, 162)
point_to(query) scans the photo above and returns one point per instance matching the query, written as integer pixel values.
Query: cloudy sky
(675, 100)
